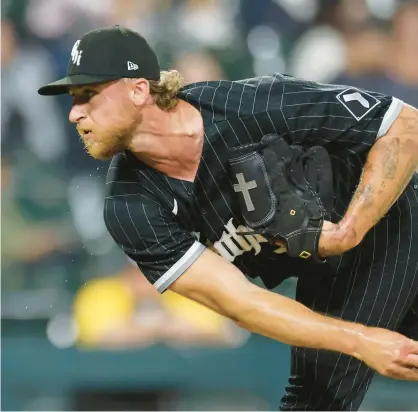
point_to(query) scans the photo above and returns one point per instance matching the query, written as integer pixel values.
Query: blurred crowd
(57, 258)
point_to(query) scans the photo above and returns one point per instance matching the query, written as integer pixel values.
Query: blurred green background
(81, 330)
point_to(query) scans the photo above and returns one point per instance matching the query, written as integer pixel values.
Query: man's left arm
(390, 166)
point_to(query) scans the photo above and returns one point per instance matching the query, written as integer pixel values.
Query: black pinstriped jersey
(164, 224)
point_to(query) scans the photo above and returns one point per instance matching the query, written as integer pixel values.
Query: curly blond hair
(164, 91)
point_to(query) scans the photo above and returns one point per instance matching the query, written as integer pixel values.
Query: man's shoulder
(227, 99)
(215, 85)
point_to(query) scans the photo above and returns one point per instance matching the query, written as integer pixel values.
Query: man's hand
(389, 353)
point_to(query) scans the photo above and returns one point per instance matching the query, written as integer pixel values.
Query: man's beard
(106, 146)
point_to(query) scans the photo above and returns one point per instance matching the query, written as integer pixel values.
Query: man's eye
(88, 94)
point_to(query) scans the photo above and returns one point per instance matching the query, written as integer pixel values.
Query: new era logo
(132, 66)
(358, 103)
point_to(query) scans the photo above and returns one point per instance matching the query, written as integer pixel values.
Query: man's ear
(139, 91)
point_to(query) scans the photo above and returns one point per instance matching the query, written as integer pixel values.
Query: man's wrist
(337, 238)
(354, 340)
(349, 233)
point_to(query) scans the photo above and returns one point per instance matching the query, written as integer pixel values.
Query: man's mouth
(85, 132)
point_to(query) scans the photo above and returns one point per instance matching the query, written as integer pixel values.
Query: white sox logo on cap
(76, 54)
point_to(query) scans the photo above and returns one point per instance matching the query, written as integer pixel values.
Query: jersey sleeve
(149, 235)
(315, 113)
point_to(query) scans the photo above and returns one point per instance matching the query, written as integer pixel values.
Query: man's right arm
(170, 257)
(219, 285)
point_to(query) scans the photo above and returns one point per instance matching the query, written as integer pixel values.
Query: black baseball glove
(285, 192)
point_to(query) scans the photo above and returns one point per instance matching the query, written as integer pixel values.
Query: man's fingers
(414, 346)
(410, 347)
(410, 360)
(404, 373)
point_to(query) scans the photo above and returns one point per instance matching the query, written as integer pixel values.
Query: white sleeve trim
(179, 267)
(390, 116)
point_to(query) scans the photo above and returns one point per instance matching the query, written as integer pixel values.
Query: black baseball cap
(106, 54)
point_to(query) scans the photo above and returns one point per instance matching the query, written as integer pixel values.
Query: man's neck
(170, 142)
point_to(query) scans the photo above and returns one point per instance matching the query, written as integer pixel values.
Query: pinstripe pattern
(376, 282)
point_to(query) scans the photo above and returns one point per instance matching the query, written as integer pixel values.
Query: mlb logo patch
(358, 103)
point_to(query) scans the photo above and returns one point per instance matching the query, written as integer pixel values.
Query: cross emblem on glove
(245, 187)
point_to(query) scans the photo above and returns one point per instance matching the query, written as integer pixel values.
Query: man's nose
(77, 112)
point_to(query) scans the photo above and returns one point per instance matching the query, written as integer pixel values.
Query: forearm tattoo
(388, 170)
